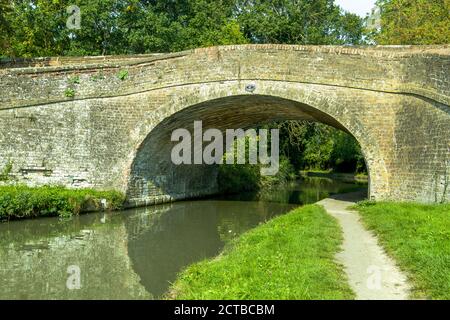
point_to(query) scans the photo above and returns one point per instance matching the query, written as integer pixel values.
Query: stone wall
(114, 130)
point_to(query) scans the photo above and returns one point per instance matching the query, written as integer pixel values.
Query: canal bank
(291, 257)
(315, 252)
(346, 177)
(23, 202)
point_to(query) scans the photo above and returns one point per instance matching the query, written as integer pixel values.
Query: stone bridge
(106, 122)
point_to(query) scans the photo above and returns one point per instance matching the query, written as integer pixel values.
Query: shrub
(17, 202)
(4, 174)
(237, 178)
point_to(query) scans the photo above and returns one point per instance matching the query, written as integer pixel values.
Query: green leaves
(122, 75)
(69, 93)
(417, 236)
(314, 146)
(418, 22)
(74, 80)
(25, 202)
(38, 27)
(5, 172)
(298, 22)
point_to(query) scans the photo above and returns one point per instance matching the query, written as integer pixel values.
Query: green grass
(19, 202)
(290, 257)
(418, 237)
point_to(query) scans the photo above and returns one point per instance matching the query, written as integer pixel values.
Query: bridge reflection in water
(136, 254)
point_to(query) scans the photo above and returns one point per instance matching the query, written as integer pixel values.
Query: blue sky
(360, 7)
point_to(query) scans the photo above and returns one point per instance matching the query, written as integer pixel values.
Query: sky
(360, 7)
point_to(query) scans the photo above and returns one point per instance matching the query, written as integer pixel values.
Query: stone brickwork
(105, 122)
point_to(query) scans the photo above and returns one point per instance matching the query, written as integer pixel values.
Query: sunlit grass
(418, 237)
(290, 257)
(19, 202)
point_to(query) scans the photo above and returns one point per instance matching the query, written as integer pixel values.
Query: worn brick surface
(116, 133)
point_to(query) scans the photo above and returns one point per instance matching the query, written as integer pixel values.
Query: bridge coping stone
(43, 64)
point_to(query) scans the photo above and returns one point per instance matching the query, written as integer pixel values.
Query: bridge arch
(72, 121)
(227, 105)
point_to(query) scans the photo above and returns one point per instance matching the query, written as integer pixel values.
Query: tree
(35, 26)
(40, 28)
(5, 27)
(417, 22)
(178, 25)
(317, 146)
(298, 22)
(118, 26)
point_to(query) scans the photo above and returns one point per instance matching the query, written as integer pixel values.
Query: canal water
(136, 254)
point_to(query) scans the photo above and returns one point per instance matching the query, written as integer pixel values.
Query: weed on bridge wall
(5, 172)
(19, 202)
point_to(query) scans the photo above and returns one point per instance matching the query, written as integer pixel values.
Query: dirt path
(371, 273)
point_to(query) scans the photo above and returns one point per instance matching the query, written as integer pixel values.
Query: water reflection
(189, 232)
(306, 191)
(135, 254)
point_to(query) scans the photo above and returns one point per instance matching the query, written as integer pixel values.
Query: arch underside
(154, 179)
(405, 140)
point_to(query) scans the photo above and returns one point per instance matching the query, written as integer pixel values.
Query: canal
(136, 254)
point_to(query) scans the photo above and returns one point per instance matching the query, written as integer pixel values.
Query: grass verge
(418, 237)
(290, 257)
(19, 202)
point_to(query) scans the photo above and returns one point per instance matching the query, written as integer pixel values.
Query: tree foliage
(38, 27)
(417, 22)
(314, 146)
(118, 26)
(5, 27)
(298, 22)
